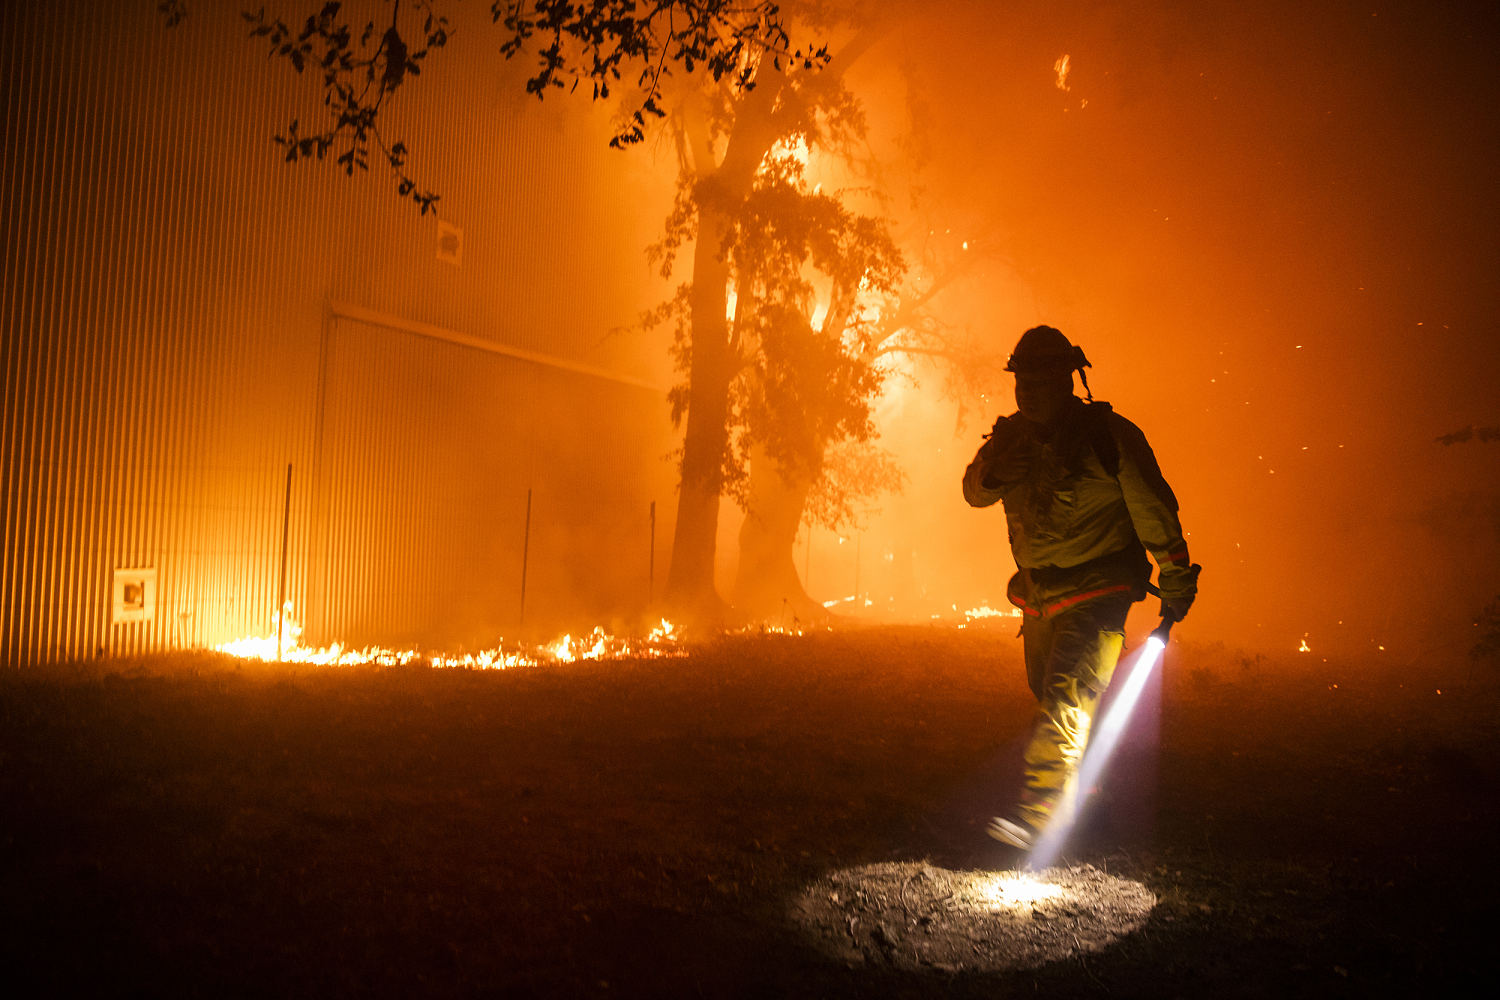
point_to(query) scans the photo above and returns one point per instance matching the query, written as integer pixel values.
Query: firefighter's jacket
(1084, 501)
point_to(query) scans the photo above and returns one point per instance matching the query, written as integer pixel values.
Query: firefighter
(1084, 503)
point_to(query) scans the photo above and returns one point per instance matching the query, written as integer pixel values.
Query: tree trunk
(766, 587)
(720, 187)
(690, 582)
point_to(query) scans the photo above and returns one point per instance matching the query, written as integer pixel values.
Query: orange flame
(663, 640)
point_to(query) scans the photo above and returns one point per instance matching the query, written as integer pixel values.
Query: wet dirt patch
(917, 916)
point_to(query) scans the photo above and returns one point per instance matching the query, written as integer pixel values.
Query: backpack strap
(1101, 438)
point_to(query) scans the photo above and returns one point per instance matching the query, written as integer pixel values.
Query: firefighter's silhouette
(1084, 504)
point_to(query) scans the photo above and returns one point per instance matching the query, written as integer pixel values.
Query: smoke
(1273, 229)
(1271, 226)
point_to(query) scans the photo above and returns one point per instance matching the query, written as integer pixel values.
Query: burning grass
(284, 645)
(210, 825)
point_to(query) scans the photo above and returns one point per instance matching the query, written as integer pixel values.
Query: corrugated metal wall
(170, 348)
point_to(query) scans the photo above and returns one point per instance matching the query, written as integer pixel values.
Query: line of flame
(663, 640)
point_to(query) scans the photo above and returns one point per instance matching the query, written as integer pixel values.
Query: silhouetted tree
(839, 473)
(735, 192)
(725, 138)
(803, 439)
(823, 305)
(802, 385)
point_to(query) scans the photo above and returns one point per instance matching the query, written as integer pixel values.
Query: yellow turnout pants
(1070, 658)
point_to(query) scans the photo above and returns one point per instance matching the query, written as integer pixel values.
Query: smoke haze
(1272, 227)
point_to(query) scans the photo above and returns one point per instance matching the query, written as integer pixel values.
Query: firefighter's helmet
(1043, 350)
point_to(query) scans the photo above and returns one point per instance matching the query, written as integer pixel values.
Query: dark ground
(197, 826)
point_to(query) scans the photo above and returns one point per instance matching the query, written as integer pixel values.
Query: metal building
(190, 325)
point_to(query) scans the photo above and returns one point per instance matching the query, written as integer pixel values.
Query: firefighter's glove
(1175, 603)
(998, 441)
(1176, 607)
(998, 453)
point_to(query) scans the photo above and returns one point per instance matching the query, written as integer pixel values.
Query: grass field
(195, 825)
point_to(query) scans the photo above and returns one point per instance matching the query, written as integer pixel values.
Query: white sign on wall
(134, 595)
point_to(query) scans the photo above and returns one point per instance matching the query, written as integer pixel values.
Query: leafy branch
(360, 72)
(593, 41)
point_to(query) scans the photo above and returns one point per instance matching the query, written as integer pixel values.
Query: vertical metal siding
(429, 451)
(418, 443)
(164, 303)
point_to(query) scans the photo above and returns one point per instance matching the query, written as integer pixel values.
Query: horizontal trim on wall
(347, 310)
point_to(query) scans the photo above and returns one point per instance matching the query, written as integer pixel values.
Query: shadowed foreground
(201, 826)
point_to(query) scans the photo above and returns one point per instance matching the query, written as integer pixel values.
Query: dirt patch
(915, 916)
